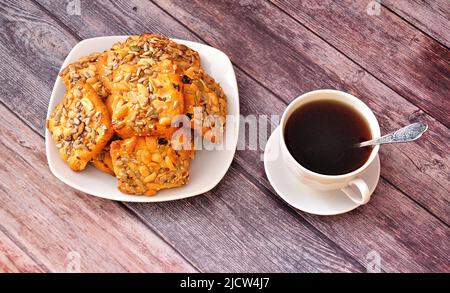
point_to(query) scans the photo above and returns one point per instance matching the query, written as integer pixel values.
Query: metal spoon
(405, 134)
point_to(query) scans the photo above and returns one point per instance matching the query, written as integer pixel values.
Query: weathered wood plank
(15, 260)
(391, 224)
(411, 63)
(404, 236)
(217, 236)
(238, 228)
(307, 63)
(259, 99)
(33, 37)
(227, 245)
(316, 66)
(432, 17)
(52, 220)
(409, 240)
(253, 96)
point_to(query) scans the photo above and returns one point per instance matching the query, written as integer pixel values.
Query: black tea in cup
(320, 136)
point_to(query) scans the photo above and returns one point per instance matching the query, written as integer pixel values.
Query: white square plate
(208, 167)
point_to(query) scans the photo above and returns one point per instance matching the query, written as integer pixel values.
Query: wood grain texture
(429, 167)
(421, 169)
(380, 107)
(13, 259)
(51, 220)
(430, 16)
(127, 245)
(238, 228)
(217, 238)
(391, 224)
(258, 100)
(26, 33)
(411, 63)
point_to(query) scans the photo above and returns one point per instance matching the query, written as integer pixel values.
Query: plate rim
(144, 198)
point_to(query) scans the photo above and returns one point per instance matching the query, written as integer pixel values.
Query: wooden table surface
(393, 56)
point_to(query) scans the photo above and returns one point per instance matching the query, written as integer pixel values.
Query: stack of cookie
(133, 110)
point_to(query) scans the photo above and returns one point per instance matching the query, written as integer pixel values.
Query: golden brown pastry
(116, 65)
(151, 103)
(145, 165)
(103, 161)
(80, 125)
(202, 92)
(84, 69)
(136, 90)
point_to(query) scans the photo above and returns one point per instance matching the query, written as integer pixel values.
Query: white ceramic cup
(351, 184)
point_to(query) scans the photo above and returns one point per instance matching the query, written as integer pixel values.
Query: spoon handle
(405, 134)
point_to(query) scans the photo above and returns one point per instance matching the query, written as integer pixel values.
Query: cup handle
(358, 191)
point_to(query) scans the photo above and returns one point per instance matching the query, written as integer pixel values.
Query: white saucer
(306, 198)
